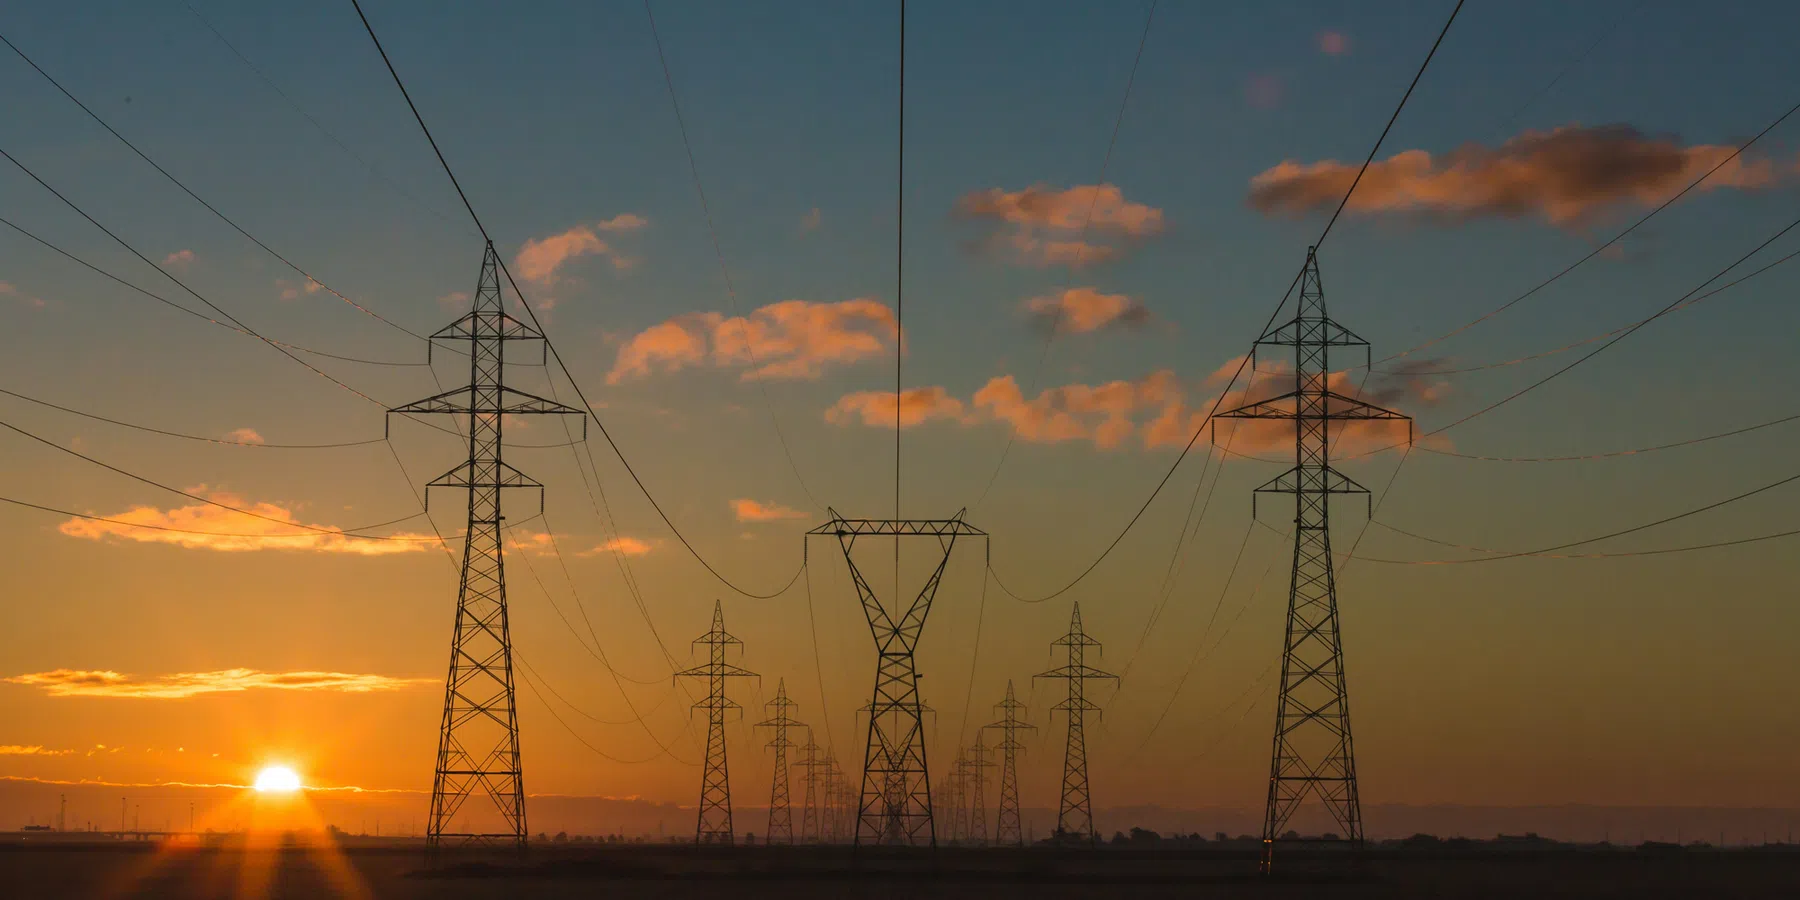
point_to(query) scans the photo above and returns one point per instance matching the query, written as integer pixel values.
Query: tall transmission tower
(809, 813)
(1313, 753)
(978, 764)
(713, 825)
(895, 802)
(781, 818)
(955, 797)
(1075, 818)
(1006, 827)
(478, 738)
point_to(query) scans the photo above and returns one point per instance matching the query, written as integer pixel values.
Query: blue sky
(558, 117)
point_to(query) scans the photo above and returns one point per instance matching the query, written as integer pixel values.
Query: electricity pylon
(809, 813)
(713, 826)
(895, 803)
(1075, 818)
(837, 802)
(781, 818)
(954, 797)
(1313, 753)
(478, 736)
(1006, 827)
(978, 764)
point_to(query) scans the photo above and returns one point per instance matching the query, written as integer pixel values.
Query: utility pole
(895, 801)
(781, 818)
(1006, 829)
(478, 737)
(978, 764)
(1075, 818)
(1313, 753)
(713, 825)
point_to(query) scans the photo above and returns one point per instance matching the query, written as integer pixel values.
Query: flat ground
(110, 869)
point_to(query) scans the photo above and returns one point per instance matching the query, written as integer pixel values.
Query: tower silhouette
(713, 825)
(781, 718)
(1075, 817)
(1006, 825)
(809, 812)
(478, 737)
(1313, 753)
(956, 798)
(976, 785)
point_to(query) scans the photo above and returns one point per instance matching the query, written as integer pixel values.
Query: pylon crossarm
(491, 324)
(1310, 330)
(487, 401)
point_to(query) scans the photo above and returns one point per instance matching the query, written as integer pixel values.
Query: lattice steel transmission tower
(956, 797)
(713, 825)
(1313, 753)
(1006, 826)
(781, 818)
(978, 764)
(809, 813)
(895, 799)
(478, 737)
(1075, 818)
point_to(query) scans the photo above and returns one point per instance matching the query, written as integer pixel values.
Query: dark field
(102, 870)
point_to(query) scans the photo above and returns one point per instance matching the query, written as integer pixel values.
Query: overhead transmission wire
(1139, 514)
(1080, 240)
(718, 251)
(192, 437)
(551, 346)
(311, 279)
(595, 649)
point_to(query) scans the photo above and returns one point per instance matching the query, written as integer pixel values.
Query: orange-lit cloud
(749, 510)
(455, 301)
(876, 408)
(179, 259)
(540, 258)
(1105, 414)
(244, 435)
(8, 289)
(1334, 43)
(538, 544)
(225, 530)
(32, 750)
(1566, 177)
(1076, 227)
(626, 546)
(789, 339)
(107, 683)
(1084, 309)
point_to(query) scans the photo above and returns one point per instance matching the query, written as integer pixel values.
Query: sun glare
(277, 780)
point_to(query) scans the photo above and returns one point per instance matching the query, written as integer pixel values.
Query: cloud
(32, 750)
(9, 289)
(291, 291)
(625, 546)
(540, 258)
(876, 408)
(1334, 43)
(244, 435)
(1566, 177)
(181, 685)
(1394, 391)
(790, 339)
(455, 301)
(179, 259)
(1084, 309)
(749, 510)
(538, 544)
(1104, 414)
(1263, 91)
(228, 531)
(810, 221)
(1043, 226)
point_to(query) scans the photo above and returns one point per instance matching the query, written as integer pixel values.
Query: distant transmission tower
(837, 803)
(713, 825)
(809, 813)
(1313, 753)
(1075, 818)
(895, 803)
(955, 797)
(1006, 828)
(478, 739)
(781, 819)
(977, 785)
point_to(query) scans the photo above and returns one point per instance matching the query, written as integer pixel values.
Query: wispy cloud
(1073, 227)
(455, 301)
(810, 221)
(8, 289)
(179, 259)
(244, 435)
(1566, 177)
(876, 408)
(202, 526)
(181, 685)
(292, 291)
(540, 259)
(1334, 43)
(31, 750)
(625, 546)
(795, 339)
(1084, 309)
(749, 510)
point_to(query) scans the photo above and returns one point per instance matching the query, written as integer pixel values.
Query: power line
(713, 233)
(190, 437)
(1272, 314)
(1080, 240)
(198, 199)
(532, 313)
(1712, 545)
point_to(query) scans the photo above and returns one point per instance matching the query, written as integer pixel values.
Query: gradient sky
(1655, 680)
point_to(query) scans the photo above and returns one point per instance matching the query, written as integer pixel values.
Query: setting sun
(277, 780)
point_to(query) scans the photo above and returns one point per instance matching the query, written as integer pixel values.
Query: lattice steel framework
(895, 802)
(1313, 753)
(811, 762)
(781, 718)
(1075, 817)
(975, 782)
(713, 824)
(1006, 824)
(478, 737)
(955, 796)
